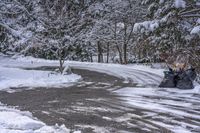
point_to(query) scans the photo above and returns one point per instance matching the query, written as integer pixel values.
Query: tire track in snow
(127, 73)
(175, 111)
(172, 109)
(143, 78)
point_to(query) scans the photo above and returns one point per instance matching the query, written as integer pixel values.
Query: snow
(120, 25)
(173, 103)
(180, 3)
(16, 121)
(12, 77)
(143, 75)
(166, 104)
(96, 8)
(135, 73)
(198, 3)
(198, 21)
(15, 77)
(95, 129)
(195, 30)
(161, 1)
(14, 32)
(146, 26)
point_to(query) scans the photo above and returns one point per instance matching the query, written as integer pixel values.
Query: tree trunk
(61, 61)
(91, 58)
(120, 54)
(125, 44)
(108, 51)
(125, 53)
(139, 54)
(100, 54)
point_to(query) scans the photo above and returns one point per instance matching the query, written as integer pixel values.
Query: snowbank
(15, 77)
(16, 121)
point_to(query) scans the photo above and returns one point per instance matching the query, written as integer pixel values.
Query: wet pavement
(84, 106)
(90, 106)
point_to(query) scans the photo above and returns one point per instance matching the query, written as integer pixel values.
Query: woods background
(119, 31)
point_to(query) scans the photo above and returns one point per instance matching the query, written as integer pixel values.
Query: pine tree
(169, 26)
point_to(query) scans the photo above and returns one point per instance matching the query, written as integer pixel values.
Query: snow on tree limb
(196, 30)
(190, 11)
(14, 32)
(146, 26)
(180, 3)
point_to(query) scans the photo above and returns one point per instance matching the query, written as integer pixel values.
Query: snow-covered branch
(192, 11)
(14, 32)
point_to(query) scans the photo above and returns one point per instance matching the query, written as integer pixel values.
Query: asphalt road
(89, 106)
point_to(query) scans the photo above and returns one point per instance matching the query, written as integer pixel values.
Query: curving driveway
(99, 104)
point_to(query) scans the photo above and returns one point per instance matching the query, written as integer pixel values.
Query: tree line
(123, 31)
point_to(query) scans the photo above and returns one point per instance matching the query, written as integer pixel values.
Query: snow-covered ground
(15, 121)
(174, 109)
(16, 77)
(11, 78)
(143, 75)
(177, 110)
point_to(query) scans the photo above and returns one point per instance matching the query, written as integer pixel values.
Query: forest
(117, 31)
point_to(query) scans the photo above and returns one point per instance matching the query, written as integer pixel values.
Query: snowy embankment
(12, 77)
(15, 121)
